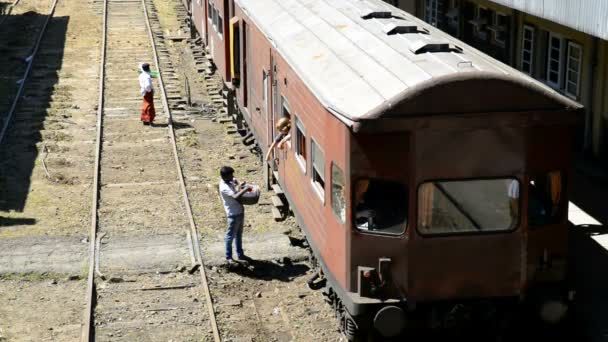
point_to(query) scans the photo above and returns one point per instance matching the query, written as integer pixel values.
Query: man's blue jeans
(235, 232)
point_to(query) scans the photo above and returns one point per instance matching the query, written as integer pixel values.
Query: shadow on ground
(268, 270)
(19, 149)
(7, 221)
(590, 277)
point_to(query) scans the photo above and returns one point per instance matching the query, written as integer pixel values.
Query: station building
(563, 44)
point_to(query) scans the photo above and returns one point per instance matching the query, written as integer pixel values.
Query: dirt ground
(45, 171)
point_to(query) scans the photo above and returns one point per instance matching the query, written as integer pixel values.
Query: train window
(380, 206)
(545, 200)
(468, 206)
(338, 197)
(235, 51)
(300, 143)
(265, 92)
(215, 13)
(220, 26)
(209, 11)
(318, 168)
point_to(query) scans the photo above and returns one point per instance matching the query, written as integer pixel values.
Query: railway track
(141, 215)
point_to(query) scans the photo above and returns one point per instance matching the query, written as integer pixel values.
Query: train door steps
(277, 215)
(277, 202)
(277, 189)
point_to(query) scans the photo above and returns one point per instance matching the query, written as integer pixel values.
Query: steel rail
(30, 63)
(193, 229)
(87, 333)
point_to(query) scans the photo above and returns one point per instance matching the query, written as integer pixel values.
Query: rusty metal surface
(352, 65)
(587, 16)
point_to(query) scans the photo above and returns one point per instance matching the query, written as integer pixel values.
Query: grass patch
(32, 277)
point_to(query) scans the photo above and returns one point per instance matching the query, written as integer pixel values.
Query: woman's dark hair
(145, 67)
(226, 171)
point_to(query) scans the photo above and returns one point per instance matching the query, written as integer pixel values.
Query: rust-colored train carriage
(422, 171)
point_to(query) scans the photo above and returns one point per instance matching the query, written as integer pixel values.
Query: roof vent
(369, 13)
(421, 46)
(400, 27)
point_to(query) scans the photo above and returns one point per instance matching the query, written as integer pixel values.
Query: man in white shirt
(147, 91)
(235, 212)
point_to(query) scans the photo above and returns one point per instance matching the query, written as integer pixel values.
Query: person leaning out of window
(283, 126)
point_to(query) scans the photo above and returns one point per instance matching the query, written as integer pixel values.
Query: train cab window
(380, 206)
(209, 11)
(468, 206)
(300, 142)
(317, 168)
(545, 200)
(338, 197)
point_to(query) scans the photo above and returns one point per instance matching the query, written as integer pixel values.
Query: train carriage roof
(364, 59)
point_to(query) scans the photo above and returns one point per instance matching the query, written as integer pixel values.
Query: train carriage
(422, 171)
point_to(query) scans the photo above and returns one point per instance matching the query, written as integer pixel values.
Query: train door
(206, 14)
(280, 109)
(273, 95)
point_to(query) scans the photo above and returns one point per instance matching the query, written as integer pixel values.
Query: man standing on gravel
(235, 212)
(147, 91)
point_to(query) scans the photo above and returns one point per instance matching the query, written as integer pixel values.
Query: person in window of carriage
(283, 126)
(147, 91)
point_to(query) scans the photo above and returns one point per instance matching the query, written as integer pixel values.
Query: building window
(527, 51)
(554, 61)
(482, 16)
(318, 168)
(265, 92)
(431, 12)
(338, 197)
(285, 111)
(300, 144)
(453, 18)
(573, 70)
(499, 28)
